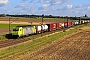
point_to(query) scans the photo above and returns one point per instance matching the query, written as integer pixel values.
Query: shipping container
(65, 24)
(83, 22)
(57, 25)
(71, 24)
(88, 20)
(76, 23)
(62, 25)
(52, 26)
(45, 28)
(68, 24)
(39, 29)
(80, 22)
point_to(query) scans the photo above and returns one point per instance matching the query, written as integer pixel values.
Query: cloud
(88, 8)
(53, 2)
(27, 8)
(44, 7)
(5, 10)
(44, 1)
(56, 2)
(76, 11)
(75, 6)
(55, 7)
(28, 1)
(79, 6)
(79, 9)
(66, 8)
(3, 2)
(23, 6)
(24, 0)
(52, 6)
(69, 6)
(79, 12)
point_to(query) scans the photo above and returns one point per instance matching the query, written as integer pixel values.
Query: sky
(46, 7)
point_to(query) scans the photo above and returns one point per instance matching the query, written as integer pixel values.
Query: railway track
(11, 42)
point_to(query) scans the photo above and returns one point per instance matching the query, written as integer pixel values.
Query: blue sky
(46, 7)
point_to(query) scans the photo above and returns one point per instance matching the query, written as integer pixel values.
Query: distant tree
(2, 15)
(50, 16)
(86, 15)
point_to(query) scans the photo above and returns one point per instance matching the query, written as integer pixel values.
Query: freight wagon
(58, 25)
(83, 22)
(41, 28)
(68, 24)
(52, 26)
(61, 25)
(86, 21)
(45, 28)
(76, 23)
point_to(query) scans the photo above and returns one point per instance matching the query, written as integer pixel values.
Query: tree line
(29, 16)
(44, 16)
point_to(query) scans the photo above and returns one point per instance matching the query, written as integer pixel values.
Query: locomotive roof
(25, 26)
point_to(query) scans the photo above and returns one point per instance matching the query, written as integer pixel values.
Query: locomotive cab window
(20, 30)
(15, 29)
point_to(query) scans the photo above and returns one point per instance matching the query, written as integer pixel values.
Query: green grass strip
(11, 25)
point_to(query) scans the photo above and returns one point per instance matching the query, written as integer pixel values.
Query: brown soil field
(4, 30)
(74, 47)
(21, 21)
(27, 21)
(33, 21)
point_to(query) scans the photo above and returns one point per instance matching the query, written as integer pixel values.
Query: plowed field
(74, 47)
(4, 30)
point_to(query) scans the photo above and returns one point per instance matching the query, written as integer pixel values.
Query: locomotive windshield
(15, 29)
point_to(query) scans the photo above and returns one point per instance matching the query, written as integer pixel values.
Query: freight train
(20, 31)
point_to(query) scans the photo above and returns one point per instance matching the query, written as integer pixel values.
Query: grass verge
(11, 25)
(2, 37)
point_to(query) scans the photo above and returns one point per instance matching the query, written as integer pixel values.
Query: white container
(45, 27)
(62, 24)
(39, 29)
